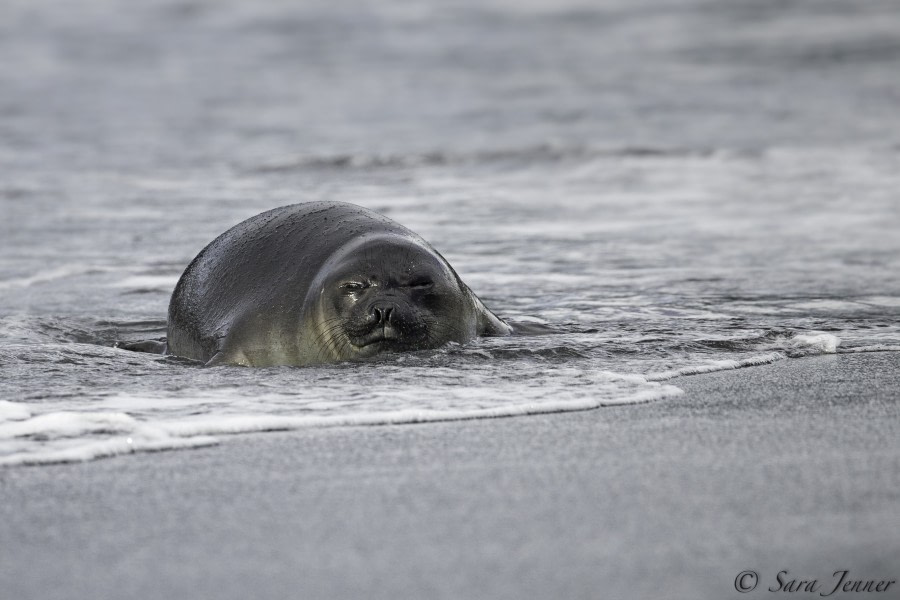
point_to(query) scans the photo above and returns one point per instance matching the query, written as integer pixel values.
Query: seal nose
(382, 314)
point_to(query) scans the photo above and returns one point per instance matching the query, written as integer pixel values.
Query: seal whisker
(326, 340)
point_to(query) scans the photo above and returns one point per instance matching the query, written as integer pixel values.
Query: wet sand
(790, 466)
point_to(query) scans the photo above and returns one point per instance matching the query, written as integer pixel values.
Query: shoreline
(792, 465)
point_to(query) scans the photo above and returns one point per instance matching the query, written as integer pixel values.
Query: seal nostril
(382, 314)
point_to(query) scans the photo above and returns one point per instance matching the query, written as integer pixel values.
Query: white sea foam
(874, 348)
(805, 344)
(531, 319)
(71, 436)
(68, 424)
(252, 423)
(13, 411)
(717, 365)
(67, 436)
(889, 301)
(91, 450)
(815, 343)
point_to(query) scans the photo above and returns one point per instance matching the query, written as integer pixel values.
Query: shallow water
(668, 188)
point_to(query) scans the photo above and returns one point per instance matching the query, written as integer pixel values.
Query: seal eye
(421, 284)
(352, 287)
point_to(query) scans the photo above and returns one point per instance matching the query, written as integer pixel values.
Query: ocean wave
(539, 153)
(125, 423)
(48, 275)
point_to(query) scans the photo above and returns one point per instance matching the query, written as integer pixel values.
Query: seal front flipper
(217, 360)
(488, 323)
(223, 357)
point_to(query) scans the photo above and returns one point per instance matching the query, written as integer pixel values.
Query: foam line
(717, 365)
(105, 449)
(13, 411)
(253, 423)
(876, 348)
(132, 436)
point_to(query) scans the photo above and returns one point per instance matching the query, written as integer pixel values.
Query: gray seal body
(320, 282)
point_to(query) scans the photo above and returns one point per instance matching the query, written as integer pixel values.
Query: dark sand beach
(790, 466)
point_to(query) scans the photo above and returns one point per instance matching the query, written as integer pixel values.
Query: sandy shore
(791, 466)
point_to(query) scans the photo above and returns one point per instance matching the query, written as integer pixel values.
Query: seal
(320, 282)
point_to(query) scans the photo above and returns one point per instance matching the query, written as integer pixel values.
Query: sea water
(645, 190)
